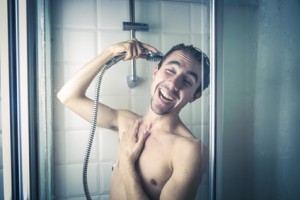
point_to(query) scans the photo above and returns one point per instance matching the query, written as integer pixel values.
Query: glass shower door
(258, 140)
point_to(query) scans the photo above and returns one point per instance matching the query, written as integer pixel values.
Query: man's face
(175, 83)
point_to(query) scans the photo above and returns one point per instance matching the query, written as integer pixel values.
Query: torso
(154, 165)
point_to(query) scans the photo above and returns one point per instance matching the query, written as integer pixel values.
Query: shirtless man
(158, 157)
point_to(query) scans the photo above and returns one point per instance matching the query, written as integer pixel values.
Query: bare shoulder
(125, 117)
(188, 144)
(190, 150)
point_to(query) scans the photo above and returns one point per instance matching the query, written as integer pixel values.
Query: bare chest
(154, 166)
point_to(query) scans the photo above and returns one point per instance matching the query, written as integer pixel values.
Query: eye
(170, 71)
(188, 82)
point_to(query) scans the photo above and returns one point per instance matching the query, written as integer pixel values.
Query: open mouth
(165, 96)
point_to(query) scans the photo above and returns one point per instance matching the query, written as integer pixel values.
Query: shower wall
(80, 30)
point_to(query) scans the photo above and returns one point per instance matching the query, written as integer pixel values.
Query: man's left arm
(189, 165)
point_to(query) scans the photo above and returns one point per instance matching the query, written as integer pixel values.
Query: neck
(169, 122)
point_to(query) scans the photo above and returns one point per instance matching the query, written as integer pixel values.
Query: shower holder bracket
(128, 26)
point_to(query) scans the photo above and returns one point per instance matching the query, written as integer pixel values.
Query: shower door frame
(216, 99)
(26, 128)
(14, 85)
(5, 100)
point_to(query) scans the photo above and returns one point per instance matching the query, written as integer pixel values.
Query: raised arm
(73, 93)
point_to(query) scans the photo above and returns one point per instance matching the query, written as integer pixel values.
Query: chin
(159, 111)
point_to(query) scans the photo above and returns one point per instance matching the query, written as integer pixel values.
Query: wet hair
(198, 55)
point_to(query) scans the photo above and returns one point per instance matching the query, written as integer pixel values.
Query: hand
(131, 144)
(132, 48)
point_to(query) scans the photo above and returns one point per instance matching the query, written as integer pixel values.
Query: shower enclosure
(249, 117)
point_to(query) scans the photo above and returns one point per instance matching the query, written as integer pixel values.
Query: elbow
(69, 98)
(61, 97)
(64, 98)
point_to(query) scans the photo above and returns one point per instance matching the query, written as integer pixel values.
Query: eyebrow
(174, 62)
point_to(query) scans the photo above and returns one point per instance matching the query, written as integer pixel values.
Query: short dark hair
(196, 53)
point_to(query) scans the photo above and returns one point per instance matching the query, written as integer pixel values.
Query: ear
(197, 95)
(155, 71)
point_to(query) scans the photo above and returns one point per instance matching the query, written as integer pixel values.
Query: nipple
(153, 182)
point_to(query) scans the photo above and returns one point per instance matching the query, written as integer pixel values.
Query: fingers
(133, 132)
(134, 49)
(139, 145)
(141, 141)
(149, 47)
(134, 129)
(132, 142)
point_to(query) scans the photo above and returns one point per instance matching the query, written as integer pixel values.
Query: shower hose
(150, 56)
(107, 65)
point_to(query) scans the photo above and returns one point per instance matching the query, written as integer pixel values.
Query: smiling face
(175, 83)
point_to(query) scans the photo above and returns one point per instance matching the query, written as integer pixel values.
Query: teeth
(166, 96)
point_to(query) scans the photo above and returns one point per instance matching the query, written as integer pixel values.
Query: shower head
(154, 57)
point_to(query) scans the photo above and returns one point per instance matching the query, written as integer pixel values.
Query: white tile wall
(108, 144)
(82, 29)
(181, 15)
(111, 14)
(79, 45)
(105, 174)
(200, 111)
(200, 19)
(74, 180)
(75, 144)
(85, 11)
(149, 12)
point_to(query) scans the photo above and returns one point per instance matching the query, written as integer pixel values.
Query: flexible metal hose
(107, 65)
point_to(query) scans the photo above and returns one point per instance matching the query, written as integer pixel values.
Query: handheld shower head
(153, 57)
(150, 56)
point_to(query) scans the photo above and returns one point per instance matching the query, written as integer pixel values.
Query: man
(158, 157)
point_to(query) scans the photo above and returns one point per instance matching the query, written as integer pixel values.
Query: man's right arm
(73, 93)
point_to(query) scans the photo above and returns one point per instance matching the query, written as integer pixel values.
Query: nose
(175, 83)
